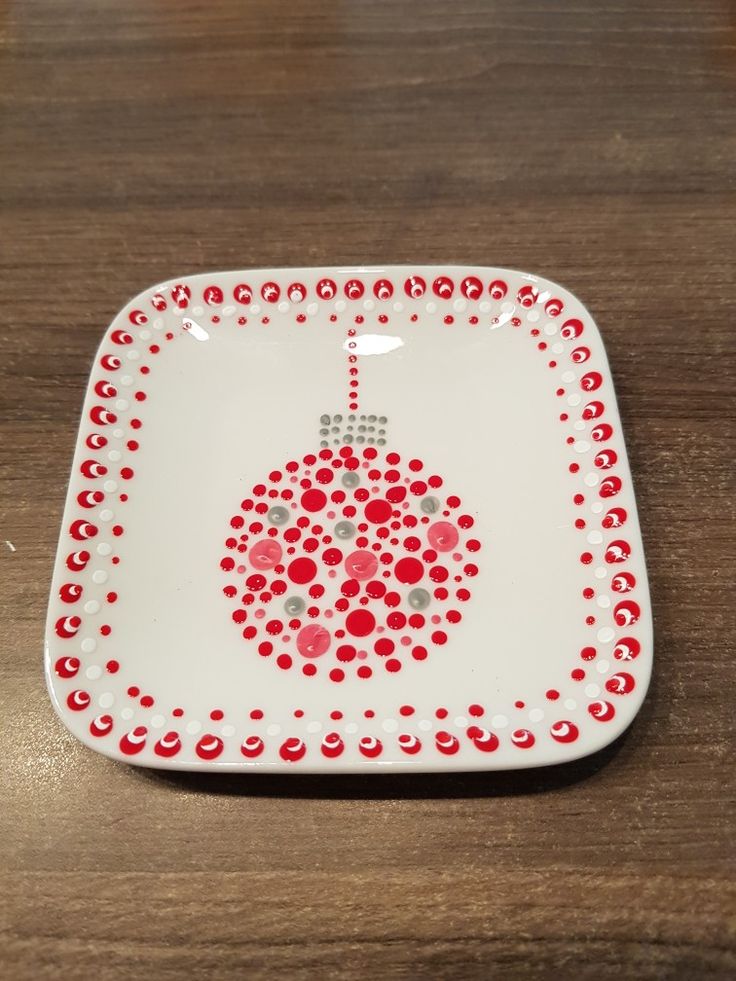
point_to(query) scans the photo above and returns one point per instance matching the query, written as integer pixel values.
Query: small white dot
(424, 725)
(461, 722)
(312, 308)
(557, 347)
(88, 645)
(283, 307)
(533, 316)
(398, 306)
(592, 691)
(602, 667)
(573, 399)
(133, 355)
(158, 323)
(570, 704)
(111, 486)
(106, 514)
(606, 634)
(390, 725)
(550, 330)
(255, 308)
(91, 606)
(106, 699)
(340, 305)
(228, 731)
(484, 306)
(193, 727)
(506, 306)
(157, 721)
(594, 537)
(93, 672)
(99, 576)
(591, 479)
(145, 335)
(499, 721)
(581, 446)
(197, 311)
(368, 304)
(431, 307)
(459, 305)
(273, 729)
(126, 380)
(579, 425)
(568, 376)
(122, 405)
(314, 726)
(604, 602)
(127, 713)
(118, 433)
(596, 507)
(104, 548)
(113, 456)
(228, 311)
(536, 715)
(351, 728)
(601, 572)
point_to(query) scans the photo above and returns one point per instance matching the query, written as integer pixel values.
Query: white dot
(568, 376)
(157, 721)
(127, 713)
(122, 405)
(368, 304)
(314, 726)
(273, 729)
(106, 699)
(106, 514)
(228, 731)
(550, 330)
(592, 691)
(424, 724)
(533, 316)
(557, 347)
(118, 433)
(104, 548)
(579, 425)
(602, 666)
(398, 306)
(591, 479)
(460, 721)
(431, 306)
(193, 727)
(506, 306)
(133, 355)
(255, 308)
(340, 305)
(499, 721)
(596, 507)
(573, 399)
(145, 335)
(283, 307)
(228, 311)
(484, 306)
(113, 456)
(459, 305)
(91, 606)
(601, 572)
(158, 323)
(88, 645)
(390, 725)
(606, 634)
(581, 446)
(93, 672)
(570, 704)
(594, 537)
(604, 602)
(99, 576)
(126, 380)
(351, 728)
(197, 311)
(312, 308)
(536, 715)
(111, 486)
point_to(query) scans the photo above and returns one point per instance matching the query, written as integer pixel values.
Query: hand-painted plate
(350, 519)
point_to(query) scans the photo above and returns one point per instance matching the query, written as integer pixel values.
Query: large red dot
(302, 570)
(378, 511)
(314, 499)
(409, 570)
(360, 623)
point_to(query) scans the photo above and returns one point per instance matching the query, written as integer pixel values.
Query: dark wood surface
(593, 143)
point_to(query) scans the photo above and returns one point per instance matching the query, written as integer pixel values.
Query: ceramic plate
(350, 519)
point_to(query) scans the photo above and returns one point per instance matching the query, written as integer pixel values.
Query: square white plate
(350, 519)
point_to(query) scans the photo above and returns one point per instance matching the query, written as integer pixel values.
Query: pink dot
(260, 614)
(330, 515)
(457, 556)
(436, 619)
(265, 554)
(362, 655)
(406, 641)
(332, 573)
(442, 536)
(241, 569)
(313, 640)
(361, 565)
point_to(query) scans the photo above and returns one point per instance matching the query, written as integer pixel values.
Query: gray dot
(278, 515)
(381, 441)
(371, 418)
(419, 599)
(347, 438)
(338, 418)
(350, 429)
(383, 420)
(351, 418)
(323, 442)
(360, 439)
(325, 420)
(294, 605)
(350, 479)
(371, 429)
(335, 429)
(430, 505)
(381, 432)
(336, 442)
(361, 429)
(345, 529)
(371, 440)
(362, 418)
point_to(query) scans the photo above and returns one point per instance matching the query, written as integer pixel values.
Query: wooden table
(590, 143)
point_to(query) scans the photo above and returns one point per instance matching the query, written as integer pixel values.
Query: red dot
(577, 674)
(378, 511)
(314, 500)
(384, 647)
(409, 570)
(419, 653)
(588, 653)
(302, 570)
(553, 694)
(475, 710)
(439, 637)
(216, 715)
(360, 623)
(393, 665)
(364, 671)
(112, 666)
(337, 674)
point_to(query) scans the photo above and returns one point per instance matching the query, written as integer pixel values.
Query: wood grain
(591, 143)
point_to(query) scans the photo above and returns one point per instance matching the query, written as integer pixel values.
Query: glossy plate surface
(340, 520)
